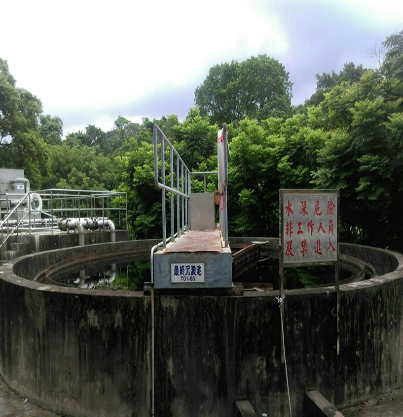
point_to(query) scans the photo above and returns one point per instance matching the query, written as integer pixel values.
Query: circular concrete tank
(88, 352)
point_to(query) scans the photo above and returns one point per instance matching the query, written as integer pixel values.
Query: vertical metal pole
(164, 229)
(119, 211)
(127, 224)
(338, 305)
(183, 200)
(226, 217)
(178, 222)
(338, 278)
(29, 214)
(186, 200)
(172, 197)
(225, 182)
(103, 211)
(79, 207)
(8, 231)
(189, 192)
(281, 272)
(205, 183)
(51, 207)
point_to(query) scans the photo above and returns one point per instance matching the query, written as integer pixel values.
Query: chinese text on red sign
(309, 228)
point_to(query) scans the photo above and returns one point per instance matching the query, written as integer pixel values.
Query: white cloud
(80, 54)
(92, 57)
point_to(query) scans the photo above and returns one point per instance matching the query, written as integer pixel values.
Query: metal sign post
(309, 235)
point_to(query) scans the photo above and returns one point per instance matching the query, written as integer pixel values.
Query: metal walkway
(197, 241)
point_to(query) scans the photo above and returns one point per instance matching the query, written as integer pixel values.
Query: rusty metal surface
(197, 241)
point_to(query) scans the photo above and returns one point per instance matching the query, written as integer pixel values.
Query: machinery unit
(13, 188)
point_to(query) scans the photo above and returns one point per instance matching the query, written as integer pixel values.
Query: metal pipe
(51, 207)
(178, 222)
(155, 138)
(81, 230)
(164, 230)
(112, 229)
(225, 131)
(103, 205)
(186, 201)
(183, 200)
(172, 196)
(171, 190)
(189, 192)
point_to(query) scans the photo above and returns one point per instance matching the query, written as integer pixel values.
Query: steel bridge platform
(198, 259)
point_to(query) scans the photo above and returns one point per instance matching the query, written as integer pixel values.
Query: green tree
(51, 129)
(80, 168)
(136, 171)
(20, 144)
(393, 64)
(363, 157)
(196, 140)
(75, 139)
(349, 74)
(123, 130)
(264, 158)
(93, 136)
(256, 88)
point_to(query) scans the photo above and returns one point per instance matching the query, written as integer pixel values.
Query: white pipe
(112, 229)
(88, 224)
(81, 231)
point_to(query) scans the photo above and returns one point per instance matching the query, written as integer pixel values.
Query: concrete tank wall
(88, 353)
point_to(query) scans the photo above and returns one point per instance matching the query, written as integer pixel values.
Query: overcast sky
(91, 61)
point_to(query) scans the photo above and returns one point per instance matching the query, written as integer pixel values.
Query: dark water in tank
(266, 271)
(126, 273)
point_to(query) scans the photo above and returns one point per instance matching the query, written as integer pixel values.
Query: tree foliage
(80, 168)
(256, 88)
(51, 129)
(349, 74)
(347, 136)
(363, 156)
(20, 143)
(393, 64)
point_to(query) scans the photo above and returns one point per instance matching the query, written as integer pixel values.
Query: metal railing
(84, 203)
(224, 210)
(182, 190)
(204, 173)
(56, 204)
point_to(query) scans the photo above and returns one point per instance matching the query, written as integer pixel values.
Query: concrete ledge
(243, 408)
(87, 352)
(316, 405)
(235, 290)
